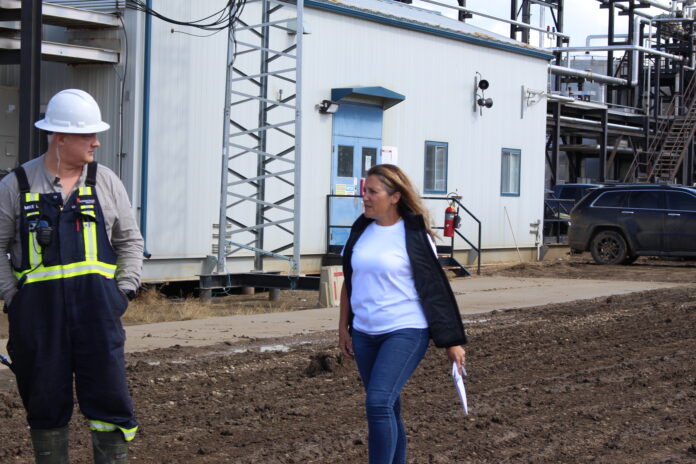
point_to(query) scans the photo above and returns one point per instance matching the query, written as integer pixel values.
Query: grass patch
(152, 306)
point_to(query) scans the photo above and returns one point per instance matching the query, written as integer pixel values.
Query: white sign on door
(390, 155)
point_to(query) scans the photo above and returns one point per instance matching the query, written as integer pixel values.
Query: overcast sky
(582, 18)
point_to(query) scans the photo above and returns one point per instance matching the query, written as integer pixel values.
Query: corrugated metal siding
(186, 118)
(437, 77)
(101, 81)
(435, 74)
(9, 75)
(96, 5)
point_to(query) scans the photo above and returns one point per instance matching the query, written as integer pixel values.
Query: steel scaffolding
(261, 146)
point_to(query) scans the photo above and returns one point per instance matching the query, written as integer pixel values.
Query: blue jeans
(386, 362)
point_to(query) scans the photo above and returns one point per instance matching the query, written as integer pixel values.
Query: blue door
(357, 140)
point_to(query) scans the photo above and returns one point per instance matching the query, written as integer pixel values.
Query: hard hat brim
(91, 129)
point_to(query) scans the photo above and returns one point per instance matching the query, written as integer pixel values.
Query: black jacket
(432, 286)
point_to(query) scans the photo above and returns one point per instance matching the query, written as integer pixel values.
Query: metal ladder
(672, 138)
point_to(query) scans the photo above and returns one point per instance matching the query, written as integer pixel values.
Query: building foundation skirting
(189, 269)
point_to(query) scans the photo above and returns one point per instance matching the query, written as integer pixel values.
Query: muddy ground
(611, 380)
(582, 267)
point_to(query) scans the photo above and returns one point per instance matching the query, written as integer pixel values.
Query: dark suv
(617, 224)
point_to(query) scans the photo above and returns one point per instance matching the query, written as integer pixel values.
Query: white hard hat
(72, 111)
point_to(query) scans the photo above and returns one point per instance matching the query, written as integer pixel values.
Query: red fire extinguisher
(450, 217)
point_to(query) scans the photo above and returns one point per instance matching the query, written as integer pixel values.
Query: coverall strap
(22, 180)
(91, 179)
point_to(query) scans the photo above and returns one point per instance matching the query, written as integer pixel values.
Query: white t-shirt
(383, 296)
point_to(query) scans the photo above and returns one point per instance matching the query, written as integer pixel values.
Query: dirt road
(608, 380)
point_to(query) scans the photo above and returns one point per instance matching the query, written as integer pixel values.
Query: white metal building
(405, 81)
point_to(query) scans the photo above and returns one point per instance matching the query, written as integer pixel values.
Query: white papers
(459, 384)
(390, 155)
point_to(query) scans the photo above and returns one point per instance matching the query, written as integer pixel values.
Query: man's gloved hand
(130, 294)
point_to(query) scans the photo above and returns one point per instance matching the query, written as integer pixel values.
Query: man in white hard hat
(76, 257)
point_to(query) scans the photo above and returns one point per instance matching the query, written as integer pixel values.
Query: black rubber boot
(109, 447)
(50, 445)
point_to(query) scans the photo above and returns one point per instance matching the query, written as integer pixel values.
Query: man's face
(77, 149)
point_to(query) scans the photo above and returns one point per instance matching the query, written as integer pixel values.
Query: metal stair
(671, 139)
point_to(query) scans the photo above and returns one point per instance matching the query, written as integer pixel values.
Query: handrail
(687, 101)
(476, 248)
(686, 131)
(656, 151)
(560, 205)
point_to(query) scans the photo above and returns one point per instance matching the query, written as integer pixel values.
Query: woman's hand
(456, 354)
(345, 343)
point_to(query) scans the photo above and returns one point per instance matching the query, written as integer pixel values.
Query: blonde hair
(395, 180)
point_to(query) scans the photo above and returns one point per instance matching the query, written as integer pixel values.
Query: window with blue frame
(510, 172)
(435, 175)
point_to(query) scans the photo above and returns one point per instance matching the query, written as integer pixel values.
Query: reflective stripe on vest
(31, 209)
(91, 264)
(42, 274)
(89, 232)
(34, 251)
(100, 426)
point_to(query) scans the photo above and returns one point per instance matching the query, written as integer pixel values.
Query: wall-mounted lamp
(327, 107)
(480, 100)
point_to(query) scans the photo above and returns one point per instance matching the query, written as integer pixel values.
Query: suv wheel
(609, 247)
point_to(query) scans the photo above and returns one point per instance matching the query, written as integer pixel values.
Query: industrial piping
(591, 122)
(497, 18)
(606, 48)
(589, 75)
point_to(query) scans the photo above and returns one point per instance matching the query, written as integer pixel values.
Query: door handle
(673, 214)
(626, 212)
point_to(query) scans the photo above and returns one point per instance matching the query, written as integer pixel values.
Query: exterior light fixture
(327, 107)
(480, 100)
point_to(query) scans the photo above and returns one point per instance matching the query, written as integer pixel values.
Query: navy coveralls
(65, 318)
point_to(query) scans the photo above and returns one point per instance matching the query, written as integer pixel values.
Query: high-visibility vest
(78, 245)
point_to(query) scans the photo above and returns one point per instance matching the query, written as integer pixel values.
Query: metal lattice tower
(261, 162)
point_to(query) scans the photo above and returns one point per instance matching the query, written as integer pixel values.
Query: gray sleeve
(126, 240)
(8, 208)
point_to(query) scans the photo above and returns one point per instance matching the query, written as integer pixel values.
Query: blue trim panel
(428, 29)
(146, 126)
(389, 97)
(360, 120)
(436, 144)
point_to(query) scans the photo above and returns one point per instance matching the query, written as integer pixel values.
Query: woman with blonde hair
(395, 298)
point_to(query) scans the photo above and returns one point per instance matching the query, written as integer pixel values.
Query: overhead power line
(220, 20)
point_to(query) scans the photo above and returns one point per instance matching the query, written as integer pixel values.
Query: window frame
(512, 151)
(434, 144)
(661, 197)
(624, 203)
(339, 172)
(668, 203)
